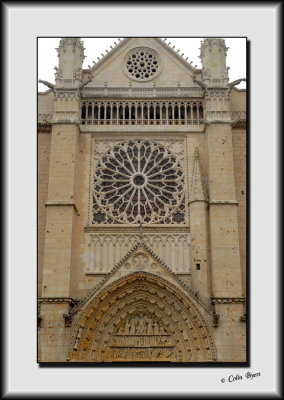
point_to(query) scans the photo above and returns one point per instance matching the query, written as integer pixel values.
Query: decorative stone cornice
(228, 300)
(53, 300)
(44, 117)
(67, 93)
(149, 92)
(131, 229)
(197, 189)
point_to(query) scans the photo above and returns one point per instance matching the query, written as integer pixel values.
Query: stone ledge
(127, 228)
(228, 300)
(61, 203)
(157, 129)
(102, 274)
(67, 300)
(211, 202)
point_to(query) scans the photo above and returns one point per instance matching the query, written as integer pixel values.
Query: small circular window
(142, 64)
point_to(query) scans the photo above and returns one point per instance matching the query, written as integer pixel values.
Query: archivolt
(137, 293)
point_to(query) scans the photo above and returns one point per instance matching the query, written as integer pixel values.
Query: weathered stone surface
(142, 207)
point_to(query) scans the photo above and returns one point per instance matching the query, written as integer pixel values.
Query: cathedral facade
(142, 207)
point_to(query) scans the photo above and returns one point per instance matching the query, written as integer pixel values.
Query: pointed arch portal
(141, 317)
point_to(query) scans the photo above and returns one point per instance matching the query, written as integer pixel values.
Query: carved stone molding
(44, 117)
(53, 300)
(124, 92)
(133, 318)
(134, 229)
(71, 94)
(228, 300)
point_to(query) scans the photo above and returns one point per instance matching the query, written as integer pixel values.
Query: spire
(197, 189)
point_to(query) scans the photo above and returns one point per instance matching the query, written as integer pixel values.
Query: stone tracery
(142, 63)
(139, 181)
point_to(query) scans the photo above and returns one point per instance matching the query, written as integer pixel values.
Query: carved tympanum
(141, 317)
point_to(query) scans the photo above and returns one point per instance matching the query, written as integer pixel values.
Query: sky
(95, 47)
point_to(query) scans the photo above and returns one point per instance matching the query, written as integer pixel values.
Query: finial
(102, 54)
(98, 58)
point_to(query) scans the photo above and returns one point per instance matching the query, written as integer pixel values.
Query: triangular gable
(141, 259)
(173, 70)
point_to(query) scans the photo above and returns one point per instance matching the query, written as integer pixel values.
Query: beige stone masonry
(179, 295)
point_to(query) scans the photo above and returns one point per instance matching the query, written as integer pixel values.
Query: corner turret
(213, 53)
(71, 57)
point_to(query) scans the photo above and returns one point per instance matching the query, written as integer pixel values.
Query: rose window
(142, 64)
(138, 181)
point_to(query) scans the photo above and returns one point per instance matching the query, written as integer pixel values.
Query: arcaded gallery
(142, 207)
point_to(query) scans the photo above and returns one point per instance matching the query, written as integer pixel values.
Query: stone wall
(43, 175)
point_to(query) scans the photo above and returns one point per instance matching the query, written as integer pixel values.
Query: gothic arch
(141, 317)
